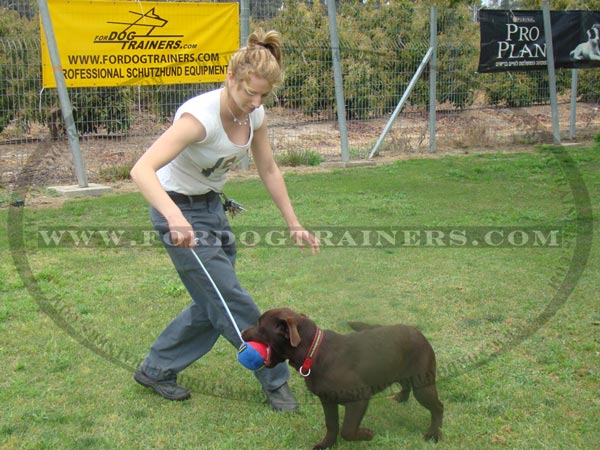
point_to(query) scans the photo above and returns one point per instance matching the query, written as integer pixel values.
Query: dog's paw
(325, 443)
(328, 441)
(365, 434)
(433, 436)
(362, 434)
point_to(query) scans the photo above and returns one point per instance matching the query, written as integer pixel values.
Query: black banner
(515, 40)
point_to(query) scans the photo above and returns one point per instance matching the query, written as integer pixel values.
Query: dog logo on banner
(589, 50)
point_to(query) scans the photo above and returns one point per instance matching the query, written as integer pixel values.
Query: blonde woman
(181, 176)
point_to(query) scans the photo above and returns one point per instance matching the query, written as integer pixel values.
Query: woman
(181, 176)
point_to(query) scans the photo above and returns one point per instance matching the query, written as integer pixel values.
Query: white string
(219, 294)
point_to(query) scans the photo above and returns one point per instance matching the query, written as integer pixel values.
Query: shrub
(381, 47)
(587, 88)
(108, 108)
(19, 64)
(294, 158)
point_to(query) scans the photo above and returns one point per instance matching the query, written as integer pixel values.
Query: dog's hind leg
(428, 397)
(351, 431)
(404, 394)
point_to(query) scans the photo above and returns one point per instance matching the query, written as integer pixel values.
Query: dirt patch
(39, 197)
(40, 161)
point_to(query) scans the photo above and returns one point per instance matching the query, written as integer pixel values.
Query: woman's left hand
(302, 238)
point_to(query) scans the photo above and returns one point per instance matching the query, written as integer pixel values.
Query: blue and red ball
(252, 355)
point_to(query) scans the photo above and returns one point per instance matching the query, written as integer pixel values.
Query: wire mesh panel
(381, 46)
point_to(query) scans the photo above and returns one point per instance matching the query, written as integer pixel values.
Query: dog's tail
(360, 326)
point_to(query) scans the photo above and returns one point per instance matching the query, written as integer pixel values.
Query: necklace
(238, 121)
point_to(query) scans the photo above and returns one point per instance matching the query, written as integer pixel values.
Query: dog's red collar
(312, 353)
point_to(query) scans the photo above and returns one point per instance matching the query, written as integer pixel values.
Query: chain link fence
(381, 47)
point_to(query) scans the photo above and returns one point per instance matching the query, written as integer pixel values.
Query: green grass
(72, 333)
(294, 158)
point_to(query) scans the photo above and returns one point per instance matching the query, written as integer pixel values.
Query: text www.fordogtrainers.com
(356, 237)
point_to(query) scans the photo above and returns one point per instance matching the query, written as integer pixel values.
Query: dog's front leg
(351, 430)
(332, 422)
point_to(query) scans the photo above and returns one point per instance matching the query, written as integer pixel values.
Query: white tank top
(202, 166)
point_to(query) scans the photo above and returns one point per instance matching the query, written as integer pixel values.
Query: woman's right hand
(181, 232)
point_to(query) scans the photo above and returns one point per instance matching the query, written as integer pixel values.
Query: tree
(18, 66)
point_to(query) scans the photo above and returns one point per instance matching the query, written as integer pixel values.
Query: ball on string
(252, 355)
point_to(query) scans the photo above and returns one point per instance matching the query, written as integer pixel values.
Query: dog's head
(286, 332)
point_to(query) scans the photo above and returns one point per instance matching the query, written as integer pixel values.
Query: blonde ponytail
(261, 57)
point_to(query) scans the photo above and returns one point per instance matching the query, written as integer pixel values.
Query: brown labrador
(348, 369)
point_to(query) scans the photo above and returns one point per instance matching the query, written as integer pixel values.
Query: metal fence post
(63, 95)
(244, 33)
(574, 82)
(337, 74)
(551, 72)
(244, 22)
(432, 78)
(400, 105)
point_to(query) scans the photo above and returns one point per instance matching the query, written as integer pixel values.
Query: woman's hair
(261, 57)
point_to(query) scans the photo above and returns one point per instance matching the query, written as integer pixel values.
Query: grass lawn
(490, 255)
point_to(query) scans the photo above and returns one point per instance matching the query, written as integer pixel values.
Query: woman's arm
(273, 181)
(172, 142)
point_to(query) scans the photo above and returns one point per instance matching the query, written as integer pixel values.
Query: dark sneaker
(166, 389)
(282, 399)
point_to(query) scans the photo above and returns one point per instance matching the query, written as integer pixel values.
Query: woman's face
(248, 95)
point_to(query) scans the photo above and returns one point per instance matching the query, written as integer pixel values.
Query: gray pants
(194, 332)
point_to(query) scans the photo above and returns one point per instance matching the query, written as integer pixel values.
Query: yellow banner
(122, 43)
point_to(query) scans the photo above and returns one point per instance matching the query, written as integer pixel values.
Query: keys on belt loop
(231, 206)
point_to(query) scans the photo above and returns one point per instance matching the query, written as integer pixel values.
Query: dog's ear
(292, 326)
